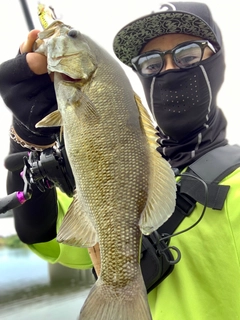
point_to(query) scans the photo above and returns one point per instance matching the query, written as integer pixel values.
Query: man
(177, 52)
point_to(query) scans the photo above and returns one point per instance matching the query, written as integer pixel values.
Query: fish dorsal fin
(162, 185)
(54, 119)
(76, 228)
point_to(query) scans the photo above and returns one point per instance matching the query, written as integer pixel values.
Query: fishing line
(166, 237)
(203, 211)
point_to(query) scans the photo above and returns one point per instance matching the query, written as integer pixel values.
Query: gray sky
(101, 20)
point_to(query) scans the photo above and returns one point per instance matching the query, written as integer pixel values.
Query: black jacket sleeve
(30, 97)
(35, 220)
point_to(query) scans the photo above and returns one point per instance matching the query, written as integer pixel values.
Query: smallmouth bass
(123, 185)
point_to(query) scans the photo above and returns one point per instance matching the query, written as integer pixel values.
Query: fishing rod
(27, 14)
(19, 197)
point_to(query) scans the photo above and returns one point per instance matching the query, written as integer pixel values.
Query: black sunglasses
(185, 55)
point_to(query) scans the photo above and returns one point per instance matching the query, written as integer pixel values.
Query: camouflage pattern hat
(192, 18)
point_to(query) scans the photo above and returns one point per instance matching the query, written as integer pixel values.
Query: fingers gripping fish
(123, 185)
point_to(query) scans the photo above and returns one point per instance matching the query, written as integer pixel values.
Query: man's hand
(37, 62)
(28, 44)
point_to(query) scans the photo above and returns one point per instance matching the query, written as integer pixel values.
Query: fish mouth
(58, 76)
(67, 78)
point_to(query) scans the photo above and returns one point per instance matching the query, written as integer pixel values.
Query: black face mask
(183, 103)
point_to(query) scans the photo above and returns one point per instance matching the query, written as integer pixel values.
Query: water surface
(27, 291)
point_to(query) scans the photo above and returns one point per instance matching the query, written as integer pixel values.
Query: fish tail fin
(105, 302)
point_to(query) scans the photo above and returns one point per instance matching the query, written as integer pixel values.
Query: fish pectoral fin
(162, 184)
(87, 110)
(76, 228)
(54, 119)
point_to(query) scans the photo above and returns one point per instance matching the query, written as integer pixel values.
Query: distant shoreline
(11, 241)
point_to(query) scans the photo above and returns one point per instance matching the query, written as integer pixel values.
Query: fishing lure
(46, 15)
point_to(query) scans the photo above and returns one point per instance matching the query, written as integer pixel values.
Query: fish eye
(73, 33)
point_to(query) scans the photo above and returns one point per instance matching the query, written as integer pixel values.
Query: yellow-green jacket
(205, 284)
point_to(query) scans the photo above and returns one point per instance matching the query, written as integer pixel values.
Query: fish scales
(116, 158)
(123, 185)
